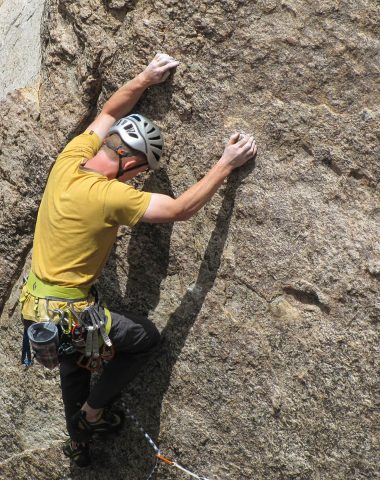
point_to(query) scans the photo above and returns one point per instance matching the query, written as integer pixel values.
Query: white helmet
(141, 134)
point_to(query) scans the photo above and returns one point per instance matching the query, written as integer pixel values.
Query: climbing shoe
(110, 422)
(79, 454)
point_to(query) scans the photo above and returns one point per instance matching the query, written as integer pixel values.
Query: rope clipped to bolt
(158, 454)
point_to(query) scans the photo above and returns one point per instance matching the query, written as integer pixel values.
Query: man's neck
(102, 164)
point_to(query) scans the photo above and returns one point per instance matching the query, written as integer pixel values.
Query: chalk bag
(43, 337)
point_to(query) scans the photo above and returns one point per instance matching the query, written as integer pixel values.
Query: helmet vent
(152, 130)
(156, 156)
(132, 134)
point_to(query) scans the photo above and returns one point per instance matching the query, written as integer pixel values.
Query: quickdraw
(158, 454)
(84, 335)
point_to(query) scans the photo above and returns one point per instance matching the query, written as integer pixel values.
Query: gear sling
(83, 324)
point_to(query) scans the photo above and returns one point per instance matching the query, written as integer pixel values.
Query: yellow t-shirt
(79, 217)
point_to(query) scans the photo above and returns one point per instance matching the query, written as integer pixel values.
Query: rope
(157, 451)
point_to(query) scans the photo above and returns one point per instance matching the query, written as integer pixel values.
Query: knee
(147, 339)
(133, 333)
(150, 335)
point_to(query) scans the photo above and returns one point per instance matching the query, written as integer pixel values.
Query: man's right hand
(163, 208)
(239, 150)
(159, 69)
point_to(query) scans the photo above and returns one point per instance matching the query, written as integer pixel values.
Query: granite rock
(268, 298)
(20, 43)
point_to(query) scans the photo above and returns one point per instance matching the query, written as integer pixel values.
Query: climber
(84, 202)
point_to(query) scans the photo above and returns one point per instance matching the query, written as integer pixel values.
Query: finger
(249, 143)
(169, 66)
(165, 76)
(253, 143)
(164, 60)
(159, 58)
(253, 150)
(162, 56)
(243, 141)
(233, 138)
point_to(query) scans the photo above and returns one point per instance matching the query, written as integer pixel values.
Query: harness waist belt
(41, 289)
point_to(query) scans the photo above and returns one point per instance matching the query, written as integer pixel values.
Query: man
(84, 202)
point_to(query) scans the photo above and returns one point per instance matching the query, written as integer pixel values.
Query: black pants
(133, 338)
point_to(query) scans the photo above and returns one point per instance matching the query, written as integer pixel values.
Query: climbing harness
(85, 330)
(158, 454)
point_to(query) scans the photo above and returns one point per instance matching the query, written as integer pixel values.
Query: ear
(130, 162)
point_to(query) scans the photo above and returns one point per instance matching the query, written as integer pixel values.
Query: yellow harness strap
(39, 288)
(43, 290)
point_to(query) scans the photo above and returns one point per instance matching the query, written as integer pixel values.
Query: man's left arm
(124, 99)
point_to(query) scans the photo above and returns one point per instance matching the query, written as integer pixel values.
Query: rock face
(268, 298)
(20, 59)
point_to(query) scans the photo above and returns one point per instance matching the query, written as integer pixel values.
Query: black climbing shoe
(79, 454)
(111, 421)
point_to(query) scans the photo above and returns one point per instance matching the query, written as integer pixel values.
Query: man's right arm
(163, 209)
(124, 99)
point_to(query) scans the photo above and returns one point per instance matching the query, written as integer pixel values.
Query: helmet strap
(122, 153)
(134, 168)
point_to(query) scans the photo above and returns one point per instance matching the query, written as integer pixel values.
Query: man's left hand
(159, 69)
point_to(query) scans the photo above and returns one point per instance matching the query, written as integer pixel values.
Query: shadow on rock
(127, 454)
(145, 396)
(148, 260)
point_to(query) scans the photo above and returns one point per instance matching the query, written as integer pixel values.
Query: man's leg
(133, 338)
(75, 385)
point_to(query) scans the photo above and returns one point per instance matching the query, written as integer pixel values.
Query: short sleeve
(124, 205)
(85, 145)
